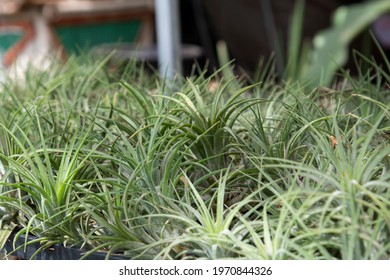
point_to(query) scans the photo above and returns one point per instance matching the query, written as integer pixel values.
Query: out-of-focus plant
(330, 46)
(316, 63)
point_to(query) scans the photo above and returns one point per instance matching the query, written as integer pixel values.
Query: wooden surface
(90, 7)
(10, 6)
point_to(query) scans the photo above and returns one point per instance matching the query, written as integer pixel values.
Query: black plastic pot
(56, 252)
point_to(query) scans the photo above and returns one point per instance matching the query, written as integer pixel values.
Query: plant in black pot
(48, 155)
(43, 198)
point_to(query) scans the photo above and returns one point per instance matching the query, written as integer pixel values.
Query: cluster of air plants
(196, 168)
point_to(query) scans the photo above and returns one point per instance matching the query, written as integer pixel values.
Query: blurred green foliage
(318, 63)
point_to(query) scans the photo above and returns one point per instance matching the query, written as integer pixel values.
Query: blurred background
(250, 29)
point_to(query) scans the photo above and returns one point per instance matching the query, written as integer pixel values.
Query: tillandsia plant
(115, 163)
(46, 148)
